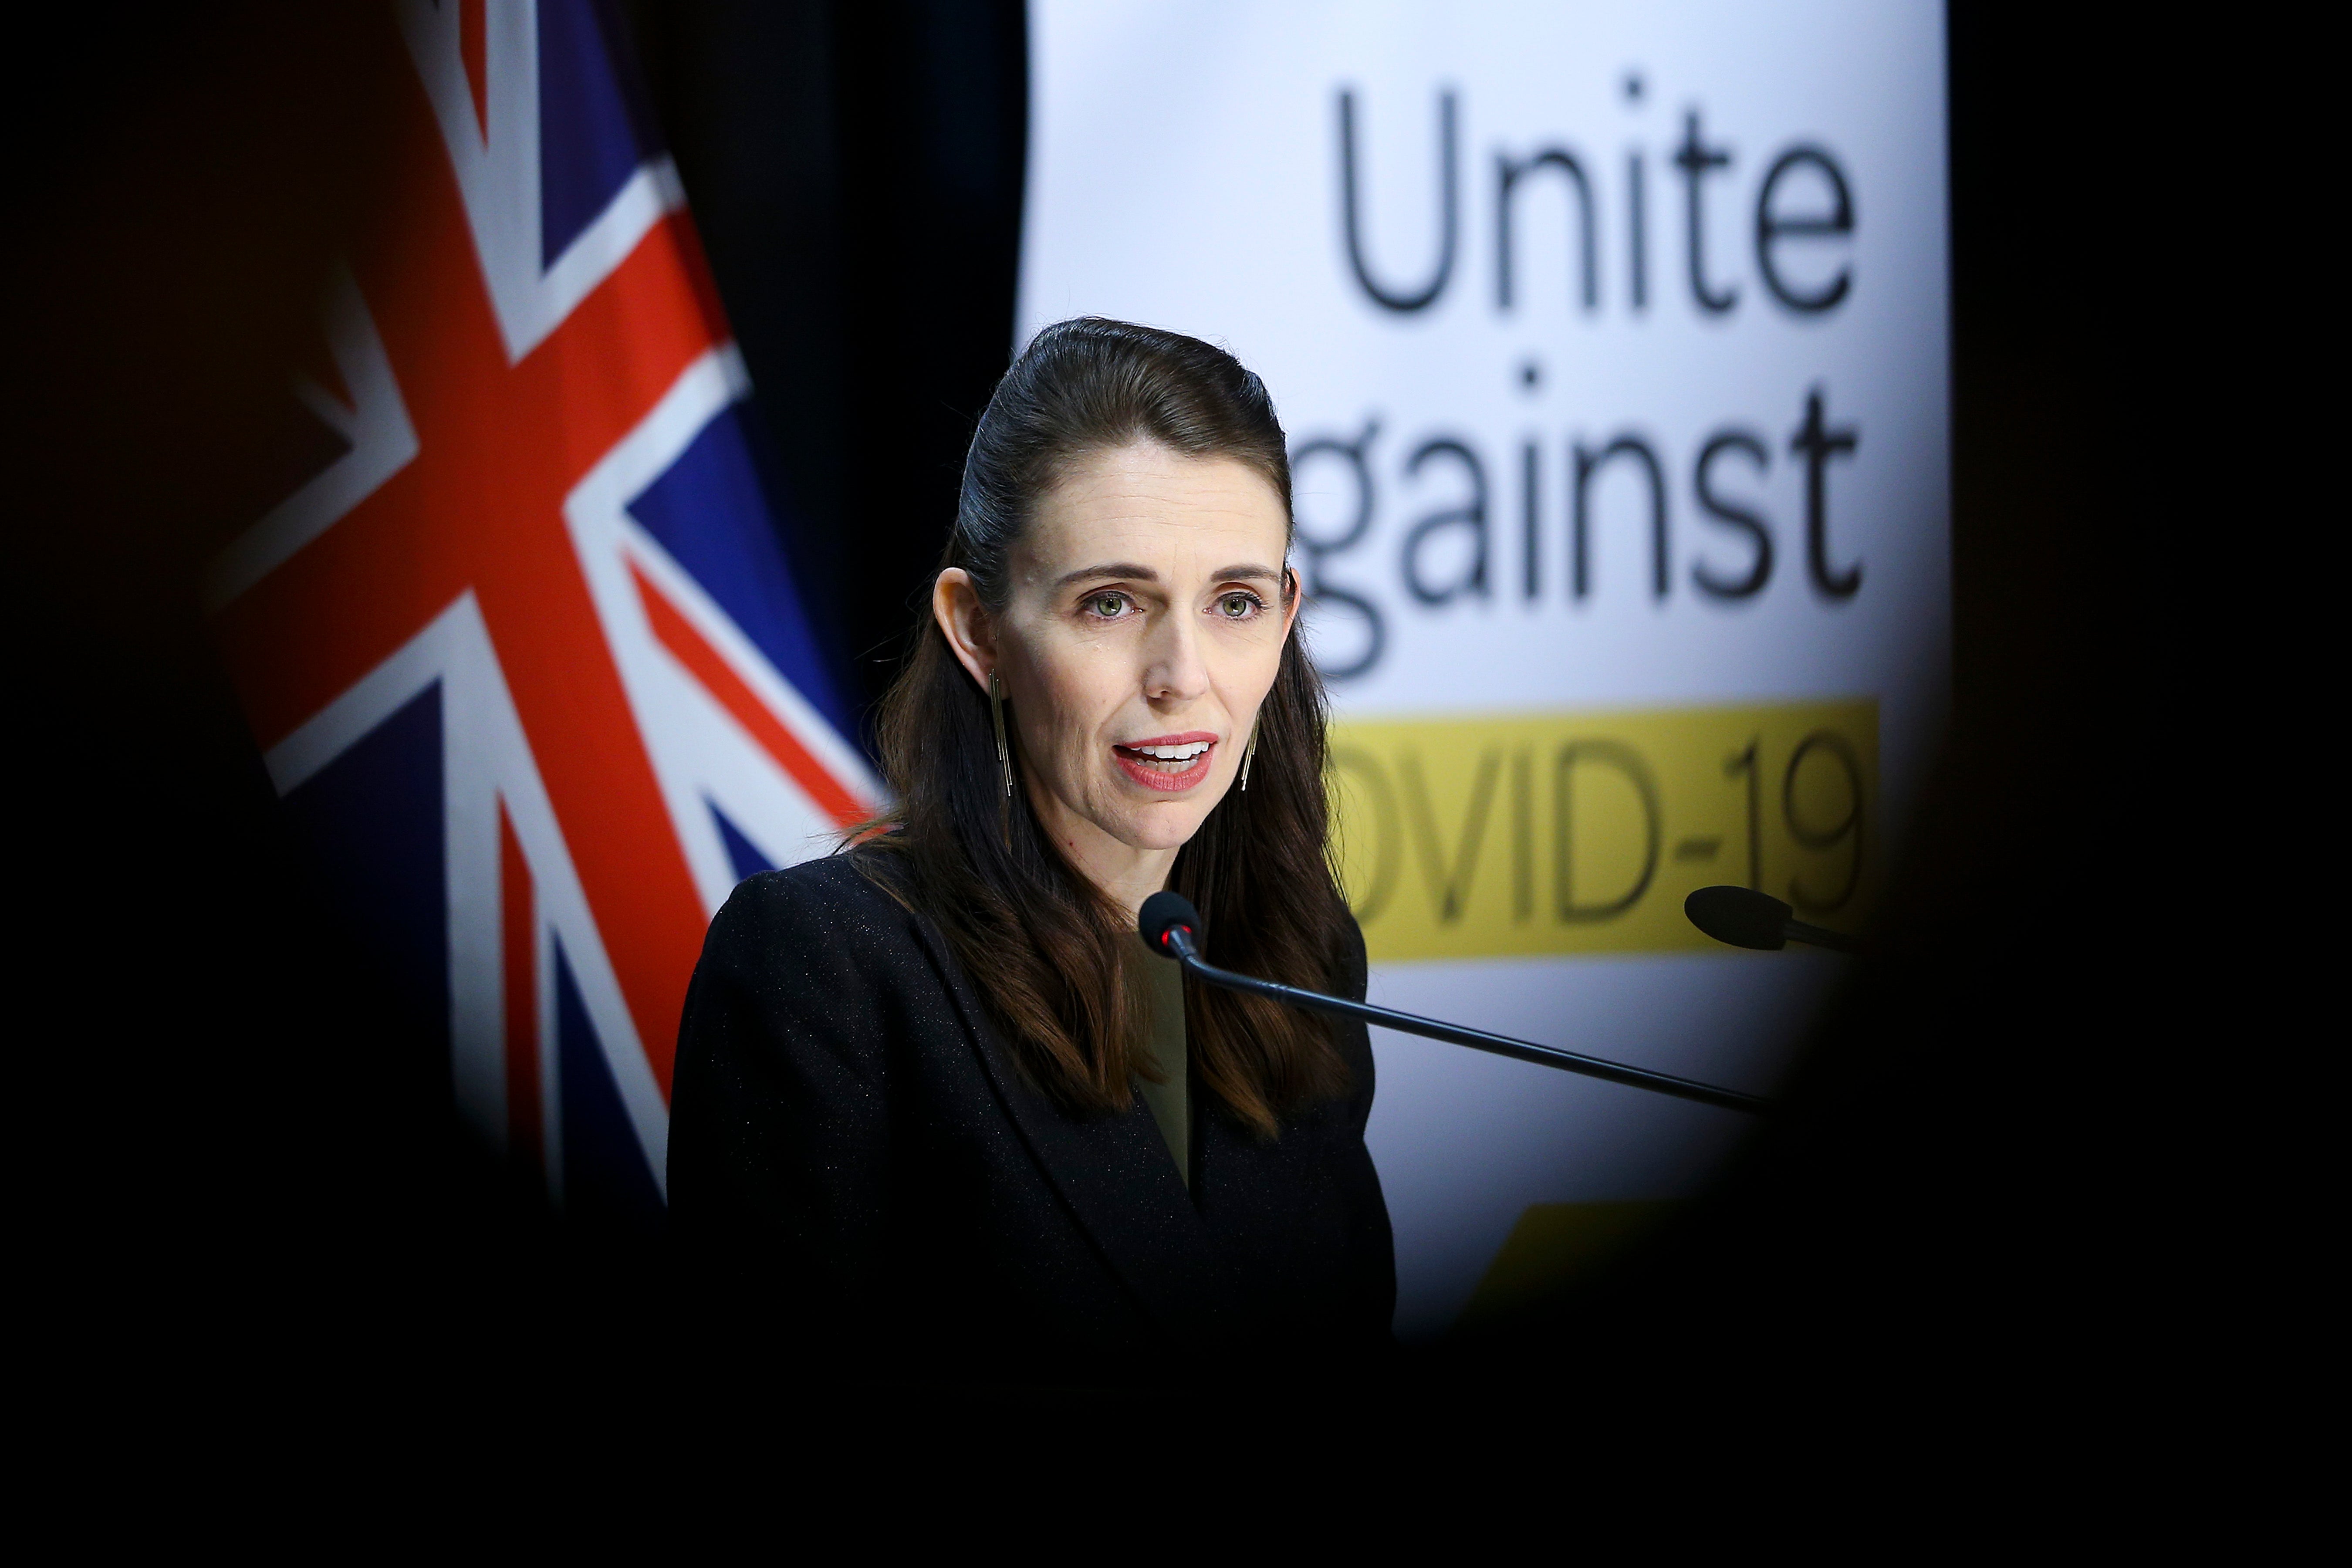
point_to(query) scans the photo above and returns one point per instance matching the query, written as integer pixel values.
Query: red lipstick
(1168, 774)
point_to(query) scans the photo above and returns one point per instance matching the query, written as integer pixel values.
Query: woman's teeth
(1175, 759)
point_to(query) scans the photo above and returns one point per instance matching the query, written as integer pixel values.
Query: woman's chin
(1163, 824)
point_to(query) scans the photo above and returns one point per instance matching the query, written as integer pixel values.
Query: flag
(526, 661)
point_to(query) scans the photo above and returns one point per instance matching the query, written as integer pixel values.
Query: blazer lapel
(1115, 1175)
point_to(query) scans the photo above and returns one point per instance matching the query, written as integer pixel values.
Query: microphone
(1746, 917)
(1171, 928)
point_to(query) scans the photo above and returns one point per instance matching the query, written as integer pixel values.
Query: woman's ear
(1292, 596)
(963, 619)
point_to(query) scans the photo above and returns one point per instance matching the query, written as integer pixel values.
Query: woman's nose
(1175, 672)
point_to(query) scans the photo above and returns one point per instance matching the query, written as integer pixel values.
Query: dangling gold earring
(1003, 752)
(1249, 756)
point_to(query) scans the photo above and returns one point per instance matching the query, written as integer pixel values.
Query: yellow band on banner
(1488, 837)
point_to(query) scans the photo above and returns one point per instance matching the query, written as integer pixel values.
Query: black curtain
(855, 173)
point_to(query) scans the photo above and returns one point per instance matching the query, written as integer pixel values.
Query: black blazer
(854, 1150)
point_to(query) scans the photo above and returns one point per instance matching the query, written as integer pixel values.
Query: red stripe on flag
(518, 921)
(474, 48)
(689, 646)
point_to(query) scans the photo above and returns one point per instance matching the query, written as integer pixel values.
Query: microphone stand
(1177, 941)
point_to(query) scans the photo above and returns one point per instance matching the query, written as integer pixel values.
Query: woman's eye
(1238, 606)
(1109, 606)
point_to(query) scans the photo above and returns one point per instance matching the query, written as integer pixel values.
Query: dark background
(1968, 1193)
(856, 173)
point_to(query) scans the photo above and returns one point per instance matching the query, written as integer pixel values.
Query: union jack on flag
(524, 656)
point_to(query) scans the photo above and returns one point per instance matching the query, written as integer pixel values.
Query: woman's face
(1147, 617)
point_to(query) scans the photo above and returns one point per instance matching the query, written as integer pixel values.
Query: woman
(933, 1095)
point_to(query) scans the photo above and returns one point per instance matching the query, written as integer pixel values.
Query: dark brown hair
(1049, 951)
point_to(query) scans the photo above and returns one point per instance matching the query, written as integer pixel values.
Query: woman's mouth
(1168, 763)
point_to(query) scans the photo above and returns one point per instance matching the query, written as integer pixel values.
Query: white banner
(1612, 343)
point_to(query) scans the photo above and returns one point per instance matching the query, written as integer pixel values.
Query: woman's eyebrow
(1126, 569)
(1135, 573)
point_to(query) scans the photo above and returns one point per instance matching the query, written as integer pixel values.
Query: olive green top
(1164, 1046)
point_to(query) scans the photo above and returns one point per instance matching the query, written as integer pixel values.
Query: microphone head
(1162, 911)
(1741, 916)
